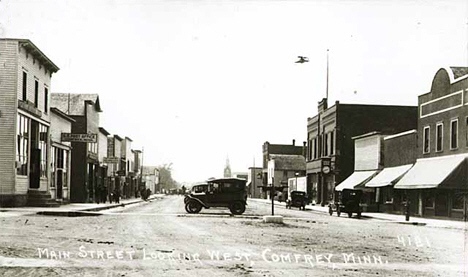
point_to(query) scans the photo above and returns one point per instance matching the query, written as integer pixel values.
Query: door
(35, 164)
(59, 184)
(441, 203)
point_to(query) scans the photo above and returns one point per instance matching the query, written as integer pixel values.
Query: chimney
(294, 142)
(304, 148)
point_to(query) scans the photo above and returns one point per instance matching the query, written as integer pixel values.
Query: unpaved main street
(158, 238)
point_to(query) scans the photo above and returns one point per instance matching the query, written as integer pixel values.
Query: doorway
(35, 164)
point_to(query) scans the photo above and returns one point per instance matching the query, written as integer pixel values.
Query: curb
(91, 211)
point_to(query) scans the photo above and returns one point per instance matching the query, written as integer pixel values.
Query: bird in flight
(302, 59)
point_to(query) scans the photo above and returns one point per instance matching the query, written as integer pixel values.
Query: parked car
(223, 192)
(196, 190)
(348, 202)
(297, 199)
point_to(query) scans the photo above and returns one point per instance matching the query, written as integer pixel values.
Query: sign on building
(111, 160)
(68, 137)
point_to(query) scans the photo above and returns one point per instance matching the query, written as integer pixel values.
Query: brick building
(330, 147)
(25, 82)
(399, 155)
(438, 180)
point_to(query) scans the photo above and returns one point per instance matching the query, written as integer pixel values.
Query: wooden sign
(111, 160)
(67, 137)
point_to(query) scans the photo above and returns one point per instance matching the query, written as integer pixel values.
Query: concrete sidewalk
(74, 209)
(393, 218)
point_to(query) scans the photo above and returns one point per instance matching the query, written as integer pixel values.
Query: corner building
(25, 82)
(330, 147)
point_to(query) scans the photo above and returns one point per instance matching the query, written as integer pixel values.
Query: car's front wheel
(193, 207)
(237, 208)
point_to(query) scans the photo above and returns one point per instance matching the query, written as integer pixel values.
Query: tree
(165, 177)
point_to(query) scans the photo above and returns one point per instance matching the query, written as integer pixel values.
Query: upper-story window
(426, 139)
(325, 150)
(46, 99)
(332, 143)
(36, 93)
(25, 86)
(439, 137)
(454, 134)
(92, 147)
(466, 133)
(314, 147)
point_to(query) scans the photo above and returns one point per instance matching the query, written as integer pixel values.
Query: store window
(22, 145)
(43, 135)
(53, 165)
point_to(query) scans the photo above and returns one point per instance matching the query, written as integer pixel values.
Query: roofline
(359, 105)
(104, 131)
(414, 131)
(61, 114)
(129, 139)
(118, 137)
(26, 43)
(367, 135)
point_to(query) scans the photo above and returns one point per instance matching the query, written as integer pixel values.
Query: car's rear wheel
(237, 208)
(193, 207)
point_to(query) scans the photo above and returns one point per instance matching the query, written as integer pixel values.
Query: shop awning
(447, 172)
(388, 176)
(357, 179)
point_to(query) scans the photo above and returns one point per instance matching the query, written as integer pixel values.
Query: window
(36, 93)
(25, 86)
(92, 147)
(325, 151)
(426, 140)
(439, 137)
(22, 144)
(466, 134)
(65, 168)
(43, 135)
(454, 134)
(46, 99)
(457, 203)
(315, 148)
(429, 200)
(332, 143)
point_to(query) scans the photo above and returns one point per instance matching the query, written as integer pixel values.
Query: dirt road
(159, 239)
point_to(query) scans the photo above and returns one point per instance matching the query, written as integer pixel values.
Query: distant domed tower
(227, 169)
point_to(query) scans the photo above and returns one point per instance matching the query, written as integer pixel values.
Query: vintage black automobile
(223, 192)
(196, 190)
(297, 199)
(348, 202)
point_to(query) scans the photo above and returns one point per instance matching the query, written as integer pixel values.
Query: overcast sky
(196, 81)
